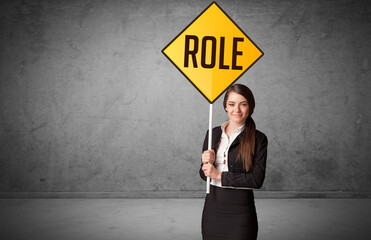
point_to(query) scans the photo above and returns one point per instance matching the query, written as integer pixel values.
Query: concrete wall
(90, 104)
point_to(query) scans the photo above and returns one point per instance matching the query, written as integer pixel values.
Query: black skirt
(229, 214)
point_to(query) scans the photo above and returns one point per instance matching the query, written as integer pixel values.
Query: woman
(237, 167)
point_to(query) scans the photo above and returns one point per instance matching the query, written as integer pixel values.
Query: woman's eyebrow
(234, 102)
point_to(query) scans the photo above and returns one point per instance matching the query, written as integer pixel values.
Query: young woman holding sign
(236, 165)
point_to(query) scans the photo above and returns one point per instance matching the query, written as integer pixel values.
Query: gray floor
(177, 219)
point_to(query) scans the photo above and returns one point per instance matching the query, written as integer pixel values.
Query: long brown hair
(246, 150)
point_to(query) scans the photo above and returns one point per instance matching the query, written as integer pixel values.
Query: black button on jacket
(236, 176)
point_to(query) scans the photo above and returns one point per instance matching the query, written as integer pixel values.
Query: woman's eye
(245, 105)
(231, 105)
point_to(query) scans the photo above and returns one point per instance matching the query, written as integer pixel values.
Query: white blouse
(221, 160)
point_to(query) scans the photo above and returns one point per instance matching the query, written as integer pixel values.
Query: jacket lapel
(238, 139)
(217, 133)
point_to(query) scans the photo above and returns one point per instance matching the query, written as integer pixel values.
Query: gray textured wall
(90, 104)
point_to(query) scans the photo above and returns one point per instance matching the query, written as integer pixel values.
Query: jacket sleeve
(255, 177)
(204, 148)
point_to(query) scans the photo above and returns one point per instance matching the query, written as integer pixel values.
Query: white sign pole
(209, 142)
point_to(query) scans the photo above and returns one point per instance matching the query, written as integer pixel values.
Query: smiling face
(237, 108)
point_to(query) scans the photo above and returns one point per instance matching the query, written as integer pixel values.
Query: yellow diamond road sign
(212, 52)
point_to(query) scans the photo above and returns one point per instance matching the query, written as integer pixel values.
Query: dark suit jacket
(236, 176)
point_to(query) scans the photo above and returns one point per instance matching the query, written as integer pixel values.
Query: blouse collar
(238, 130)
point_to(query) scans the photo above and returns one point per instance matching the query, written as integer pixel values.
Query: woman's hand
(208, 157)
(211, 172)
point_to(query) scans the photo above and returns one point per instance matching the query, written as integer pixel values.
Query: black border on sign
(186, 29)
